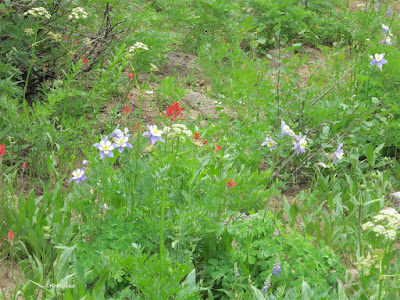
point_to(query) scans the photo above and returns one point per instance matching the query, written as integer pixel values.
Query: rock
(197, 103)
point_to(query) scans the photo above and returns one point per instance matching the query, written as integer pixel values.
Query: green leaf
(370, 154)
(306, 291)
(262, 40)
(257, 294)
(341, 292)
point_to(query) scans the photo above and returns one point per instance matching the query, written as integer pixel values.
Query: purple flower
(301, 144)
(122, 142)
(303, 3)
(385, 29)
(154, 134)
(118, 132)
(338, 154)
(389, 12)
(85, 161)
(104, 206)
(78, 175)
(270, 143)
(320, 163)
(387, 40)
(396, 195)
(276, 270)
(379, 61)
(376, 6)
(286, 130)
(105, 148)
(267, 284)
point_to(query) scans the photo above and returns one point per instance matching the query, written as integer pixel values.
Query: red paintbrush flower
(218, 148)
(130, 75)
(230, 184)
(23, 166)
(127, 110)
(2, 150)
(85, 60)
(174, 111)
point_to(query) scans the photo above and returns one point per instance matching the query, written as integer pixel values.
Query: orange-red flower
(218, 148)
(131, 75)
(23, 166)
(230, 184)
(2, 150)
(127, 110)
(85, 60)
(174, 111)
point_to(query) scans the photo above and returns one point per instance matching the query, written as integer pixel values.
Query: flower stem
(32, 59)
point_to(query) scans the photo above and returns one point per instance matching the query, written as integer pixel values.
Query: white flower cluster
(55, 36)
(135, 47)
(385, 224)
(77, 13)
(29, 31)
(179, 130)
(38, 12)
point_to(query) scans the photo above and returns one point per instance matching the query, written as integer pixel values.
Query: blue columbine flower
(78, 175)
(338, 154)
(376, 6)
(286, 130)
(385, 29)
(270, 143)
(379, 61)
(121, 141)
(154, 134)
(301, 144)
(389, 12)
(276, 270)
(105, 148)
(85, 161)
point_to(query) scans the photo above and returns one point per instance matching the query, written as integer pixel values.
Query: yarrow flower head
(385, 224)
(105, 147)
(174, 112)
(338, 154)
(379, 61)
(269, 143)
(154, 134)
(29, 31)
(301, 144)
(286, 130)
(77, 13)
(38, 12)
(178, 130)
(78, 175)
(135, 48)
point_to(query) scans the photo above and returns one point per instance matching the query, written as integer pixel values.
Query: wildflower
(385, 224)
(29, 31)
(385, 28)
(270, 143)
(118, 132)
(85, 161)
(78, 175)
(105, 148)
(127, 110)
(2, 149)
(55, 36)
(149, 92)
(122, 142)
(387, 40)
(276, 270)
(303, 3)
(77, 13)
(379, 61)
(137, 46)
(389, 12)
(236, 270)
(85, 60)
(87, 41)
(153, 67)
(11, 236)
(38, 12)
(286, 130)
(174, 111)
(301, 144)
(267, 284)
(321, 164)
(376, 6)
(23, 167)
(338, 154)
(154, 134)
(396, 195)
(218, 148)
(131, 75)
(230, 184)
(104, 206)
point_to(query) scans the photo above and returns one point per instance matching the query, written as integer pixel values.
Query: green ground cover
(199, 149)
